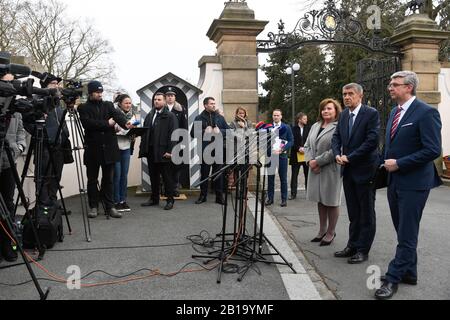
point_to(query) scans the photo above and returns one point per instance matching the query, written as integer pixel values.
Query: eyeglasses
(395, 85)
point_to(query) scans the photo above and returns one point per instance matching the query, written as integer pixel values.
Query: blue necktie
(350, 124)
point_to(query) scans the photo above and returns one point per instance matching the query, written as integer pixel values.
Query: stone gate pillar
(235, 34)
(419, 38)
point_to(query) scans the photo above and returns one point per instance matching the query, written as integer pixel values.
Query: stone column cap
(418, 26)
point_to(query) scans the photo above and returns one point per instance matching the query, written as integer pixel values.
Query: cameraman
(15, 136)
(99, 118)
(58, 146)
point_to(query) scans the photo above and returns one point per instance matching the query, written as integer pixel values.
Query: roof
(167, 80)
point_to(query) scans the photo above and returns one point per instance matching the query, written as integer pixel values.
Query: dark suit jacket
(299, 141)
(210, 119)
(416, 144)
(157, 140)
(361, 148)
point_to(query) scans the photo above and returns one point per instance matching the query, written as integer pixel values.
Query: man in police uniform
(181, 115)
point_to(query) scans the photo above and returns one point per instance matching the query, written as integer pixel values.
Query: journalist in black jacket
(98, 118)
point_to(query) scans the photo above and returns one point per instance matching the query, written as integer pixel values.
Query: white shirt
(301, 130)
(170, 107)
(276, 125)
(405, 107)
(355, 112)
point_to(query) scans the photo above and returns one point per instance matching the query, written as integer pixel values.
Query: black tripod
(6, 216)
(39, 141)
(76, 132)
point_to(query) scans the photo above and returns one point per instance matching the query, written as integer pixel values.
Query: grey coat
(15, 137)
(325, 187)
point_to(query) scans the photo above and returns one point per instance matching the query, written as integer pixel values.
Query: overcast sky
(151, 38)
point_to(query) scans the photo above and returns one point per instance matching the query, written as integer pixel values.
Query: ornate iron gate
(333, 26)
(374, 76)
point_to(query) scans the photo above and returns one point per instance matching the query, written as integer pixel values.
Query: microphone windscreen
(259, 125)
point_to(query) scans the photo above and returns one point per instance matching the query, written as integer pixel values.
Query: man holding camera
(212, 124)
(58, 142)
(15, 138)
(99, 118)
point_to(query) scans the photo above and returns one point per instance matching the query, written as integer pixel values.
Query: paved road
(300, 220)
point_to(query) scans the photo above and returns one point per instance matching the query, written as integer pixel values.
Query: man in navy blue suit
(285, 134)
(413, 141)
(355, 146)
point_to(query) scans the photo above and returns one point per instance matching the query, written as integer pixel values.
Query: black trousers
(176, 173)
(158, 169)
(294, 178)
(107, 186)
(7, 188)
(360, 200)
(205, 173)
(51, 177)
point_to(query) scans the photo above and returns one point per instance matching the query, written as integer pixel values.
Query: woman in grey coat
(324, 181)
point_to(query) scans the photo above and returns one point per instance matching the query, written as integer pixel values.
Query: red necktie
(396, 121)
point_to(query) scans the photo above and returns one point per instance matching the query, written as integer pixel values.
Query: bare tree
(8, 22)
(68, 48)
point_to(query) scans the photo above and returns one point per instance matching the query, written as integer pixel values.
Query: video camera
(37, 100)
(72, 91)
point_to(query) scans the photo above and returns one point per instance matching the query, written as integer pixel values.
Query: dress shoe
(201, 200)
(220, 200)
(386, 291)
(318, 239)
(324, 243)
(150, 203)
(169, 205)
(358, 258)
(346, 253)
(292, 197)
(269, 202)
(405, 280)
(283, 204)
(113, 213)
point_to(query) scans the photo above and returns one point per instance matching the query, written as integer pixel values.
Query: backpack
(49, 227)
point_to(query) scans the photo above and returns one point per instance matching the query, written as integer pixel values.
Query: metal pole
(293, 96)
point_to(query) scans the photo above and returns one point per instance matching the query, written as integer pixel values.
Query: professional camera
(72, 91)
(17, 70)
(39, 100)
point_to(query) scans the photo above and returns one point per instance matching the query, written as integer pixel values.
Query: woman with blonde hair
(324, 180)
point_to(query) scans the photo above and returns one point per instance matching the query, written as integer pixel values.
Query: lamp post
(291, 70)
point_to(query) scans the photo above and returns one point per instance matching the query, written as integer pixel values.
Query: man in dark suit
(413, 141)
(284, 134)
(355, 146)
(157, 147)
(99, 118)
(300, 132)
(215, 126)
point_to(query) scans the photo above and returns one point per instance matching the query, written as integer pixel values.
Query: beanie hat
(95, 86)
